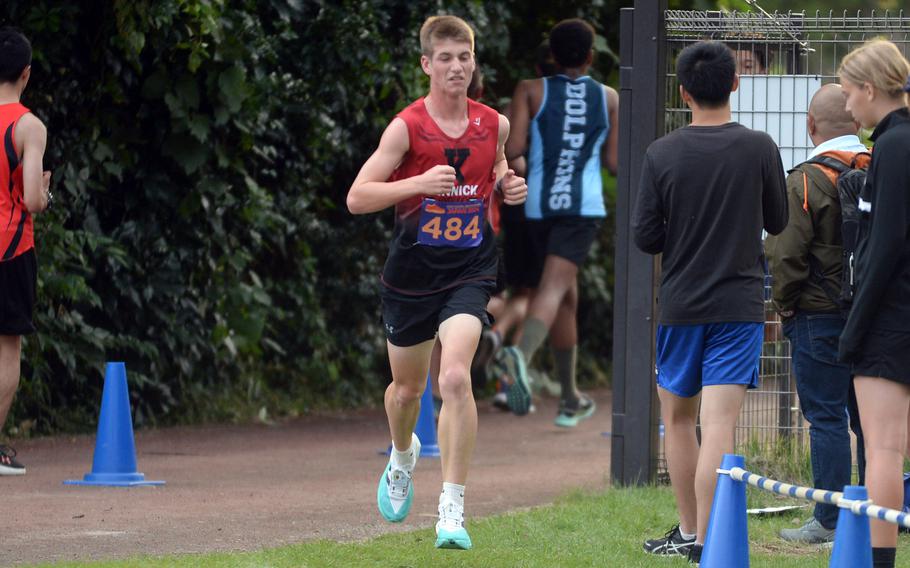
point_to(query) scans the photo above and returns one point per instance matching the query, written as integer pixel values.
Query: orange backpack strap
(805, 192)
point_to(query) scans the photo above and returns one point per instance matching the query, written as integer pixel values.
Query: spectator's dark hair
(760, 57)
(706, 71)
(571, 41)
(758, 52)
(544, 59)
(15, 54)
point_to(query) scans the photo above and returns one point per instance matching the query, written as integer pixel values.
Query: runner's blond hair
(444, 27)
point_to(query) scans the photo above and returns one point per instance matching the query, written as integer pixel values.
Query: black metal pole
(642, 82)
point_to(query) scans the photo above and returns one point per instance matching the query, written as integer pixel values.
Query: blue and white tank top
(567, 135)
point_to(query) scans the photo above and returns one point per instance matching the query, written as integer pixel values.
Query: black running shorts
(566, 237)
(517, 254)
(409, 320)
(885, 354)
(18, 280)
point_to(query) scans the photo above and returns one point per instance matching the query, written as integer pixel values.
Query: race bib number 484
(451, 224)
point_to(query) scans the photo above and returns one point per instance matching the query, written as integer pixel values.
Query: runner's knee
(570, 300)
(406, 394)
(454, 382)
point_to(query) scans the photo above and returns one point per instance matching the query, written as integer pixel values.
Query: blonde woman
(876, 339)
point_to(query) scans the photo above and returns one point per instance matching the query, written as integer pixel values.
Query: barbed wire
(804, 45)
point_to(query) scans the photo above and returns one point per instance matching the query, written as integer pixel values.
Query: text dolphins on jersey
(576, 111)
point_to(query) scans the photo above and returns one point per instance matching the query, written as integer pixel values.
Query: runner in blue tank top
(567, 136)
(570, 121)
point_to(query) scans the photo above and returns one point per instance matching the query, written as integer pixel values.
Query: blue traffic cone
(852, 540)
(727, 541)
(115, 453)
(426, 424)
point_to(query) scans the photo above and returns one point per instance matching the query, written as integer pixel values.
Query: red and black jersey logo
(456, 158)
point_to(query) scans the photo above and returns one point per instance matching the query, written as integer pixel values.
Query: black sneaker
(671, 544)
(694, 556)
(8, 463)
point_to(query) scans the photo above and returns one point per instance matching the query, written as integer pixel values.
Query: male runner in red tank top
(23, 192)
(438, 162)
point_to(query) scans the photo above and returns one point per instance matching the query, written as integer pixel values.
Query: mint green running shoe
(457, 539)
(520, 390)
(570, 418)
(450, 531)
(396, 490)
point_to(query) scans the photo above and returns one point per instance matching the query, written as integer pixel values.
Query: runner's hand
(437, 180)
(514, 189)
(46, 188)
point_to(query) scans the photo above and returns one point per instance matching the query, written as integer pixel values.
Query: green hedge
(201, 152)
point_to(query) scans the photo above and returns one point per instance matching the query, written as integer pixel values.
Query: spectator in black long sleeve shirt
(876, 338)
(706, 192)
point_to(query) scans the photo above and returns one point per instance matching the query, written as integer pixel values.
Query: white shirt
(848, 143)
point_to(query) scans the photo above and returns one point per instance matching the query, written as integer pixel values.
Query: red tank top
(472, 155)
(16, 225)
(416, 269)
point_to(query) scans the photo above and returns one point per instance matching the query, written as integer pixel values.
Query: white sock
(452, 493)
(685, 535)
(404, 460)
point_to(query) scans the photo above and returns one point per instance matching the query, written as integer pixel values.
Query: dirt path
(252, 487)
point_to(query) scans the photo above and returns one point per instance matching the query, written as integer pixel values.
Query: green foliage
(201, 153)
(785, 457)
(176, 189)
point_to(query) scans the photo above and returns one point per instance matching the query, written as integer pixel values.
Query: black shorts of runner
(18, 279)
(409, 320)
(517, 255)
(566, 237)
(501, 283)
(885, 354)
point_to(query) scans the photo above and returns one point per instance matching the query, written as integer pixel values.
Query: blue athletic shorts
(690, 357)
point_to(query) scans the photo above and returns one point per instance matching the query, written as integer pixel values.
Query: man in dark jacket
(806, 262)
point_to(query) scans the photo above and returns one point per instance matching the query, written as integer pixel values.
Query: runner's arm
(32, 135)
(519, 119)
(371, 191)
(610, 151)
(513, 188)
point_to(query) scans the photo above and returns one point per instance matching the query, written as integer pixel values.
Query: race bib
(451, 223)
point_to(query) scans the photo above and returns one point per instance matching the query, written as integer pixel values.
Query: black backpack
(850, 181)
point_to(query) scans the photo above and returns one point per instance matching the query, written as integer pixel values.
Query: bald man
(805, 261)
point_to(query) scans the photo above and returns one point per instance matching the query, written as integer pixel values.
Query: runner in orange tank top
(23, 192)
(438, 162)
